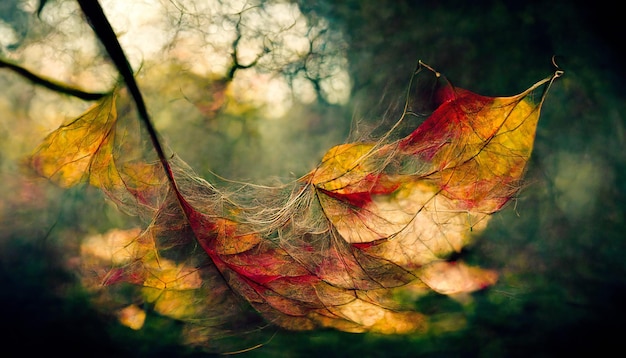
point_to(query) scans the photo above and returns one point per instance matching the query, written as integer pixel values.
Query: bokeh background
(307, 75)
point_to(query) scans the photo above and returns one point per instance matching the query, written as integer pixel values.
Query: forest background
(559, 246)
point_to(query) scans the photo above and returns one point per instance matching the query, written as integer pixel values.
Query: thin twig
(50, 83)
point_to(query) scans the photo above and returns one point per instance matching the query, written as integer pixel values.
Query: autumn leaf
(98, 149)
(422, 198)
(79, 147)
(330, 250)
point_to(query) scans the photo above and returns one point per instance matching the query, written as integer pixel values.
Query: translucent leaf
(422, 198)
(107, 153)
(332, 249)
(80, 147)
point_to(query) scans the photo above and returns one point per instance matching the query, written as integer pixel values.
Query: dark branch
(51, 84)
(102, 28)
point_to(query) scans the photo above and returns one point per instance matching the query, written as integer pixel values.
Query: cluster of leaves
(335, 248)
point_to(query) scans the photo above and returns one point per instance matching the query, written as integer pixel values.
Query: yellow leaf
(79, 147)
